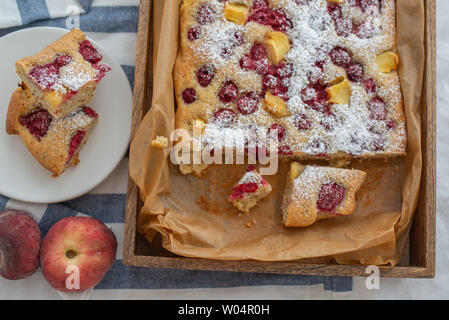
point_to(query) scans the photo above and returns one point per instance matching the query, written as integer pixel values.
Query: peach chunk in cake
(251, 188)
(54, 142)
(314, 193)
(323, 72)
(65, 74)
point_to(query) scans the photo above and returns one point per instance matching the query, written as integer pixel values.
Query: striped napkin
(113, 24)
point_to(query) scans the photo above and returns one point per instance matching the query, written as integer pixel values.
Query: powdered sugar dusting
(349, 128)
(251, 177)
(74, 76)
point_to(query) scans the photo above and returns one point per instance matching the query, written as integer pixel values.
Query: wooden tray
(140, 253)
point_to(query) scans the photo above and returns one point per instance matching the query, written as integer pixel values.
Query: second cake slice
(55, 143)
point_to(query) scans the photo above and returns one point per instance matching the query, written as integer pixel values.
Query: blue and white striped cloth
(113, 24)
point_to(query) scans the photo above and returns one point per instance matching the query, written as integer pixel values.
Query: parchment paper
(195, 219)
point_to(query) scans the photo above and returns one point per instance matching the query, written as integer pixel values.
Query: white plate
(21, 176)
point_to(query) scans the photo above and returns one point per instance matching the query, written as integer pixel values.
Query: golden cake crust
(300, 204)
(52, 150)
(352, 129)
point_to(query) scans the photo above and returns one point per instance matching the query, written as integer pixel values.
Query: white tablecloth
(36, 287)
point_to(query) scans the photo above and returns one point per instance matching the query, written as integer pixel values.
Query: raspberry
(90, 112)
(194, 34)
(284, 70)
(269, 82)
(205, 15)
(261, 5)
(102, 69)
(205, 75)
(377, 109)
(302, 122)
(240, 190)
(280, 131)
(37, 122)
(258, 52)
(279, 21)
(331, 195)
(340, 57)
(247, 64)
(189, 95)
(229, 92)
(224, 117)
(364, 30)
(76, 142)
(365, 4)
(62, 61)
(247, 104)
(89, 52)
(316, 97)
(343, 27)
(355, 72)
(370, 85)
(263, 66)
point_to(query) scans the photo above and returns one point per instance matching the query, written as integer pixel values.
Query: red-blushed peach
(76, 253)
(20, 241)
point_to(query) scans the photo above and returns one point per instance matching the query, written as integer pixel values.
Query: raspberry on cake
(326, 71)
(251, 188)
(314, 193)
(65, 74)
(55, 143)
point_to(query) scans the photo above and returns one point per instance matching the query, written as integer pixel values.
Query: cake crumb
(160, 142)
(251, 223)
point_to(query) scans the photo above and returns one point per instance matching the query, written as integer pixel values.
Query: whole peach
(76, 253)
(20, 240)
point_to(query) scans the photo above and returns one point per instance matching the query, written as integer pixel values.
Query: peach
(277, 45)
(76, 253)
(387, 62)
(20, 240)
(340, 93)
(236, 12)
(275, 105)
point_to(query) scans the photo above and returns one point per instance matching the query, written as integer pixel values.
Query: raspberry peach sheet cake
(322, 73)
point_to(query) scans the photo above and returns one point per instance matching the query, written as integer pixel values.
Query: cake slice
(55, 143)
(314, 193)
(251, 188)
(64, 75)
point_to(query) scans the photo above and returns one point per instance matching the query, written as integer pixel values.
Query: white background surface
(438, 288)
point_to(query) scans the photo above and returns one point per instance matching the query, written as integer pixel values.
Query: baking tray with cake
(349, 91)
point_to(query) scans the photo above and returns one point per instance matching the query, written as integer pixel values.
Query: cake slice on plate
(251, 188)
(314, 193)
(64, 75)
(55, 143)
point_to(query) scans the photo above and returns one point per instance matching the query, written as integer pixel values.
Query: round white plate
(21, 176)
